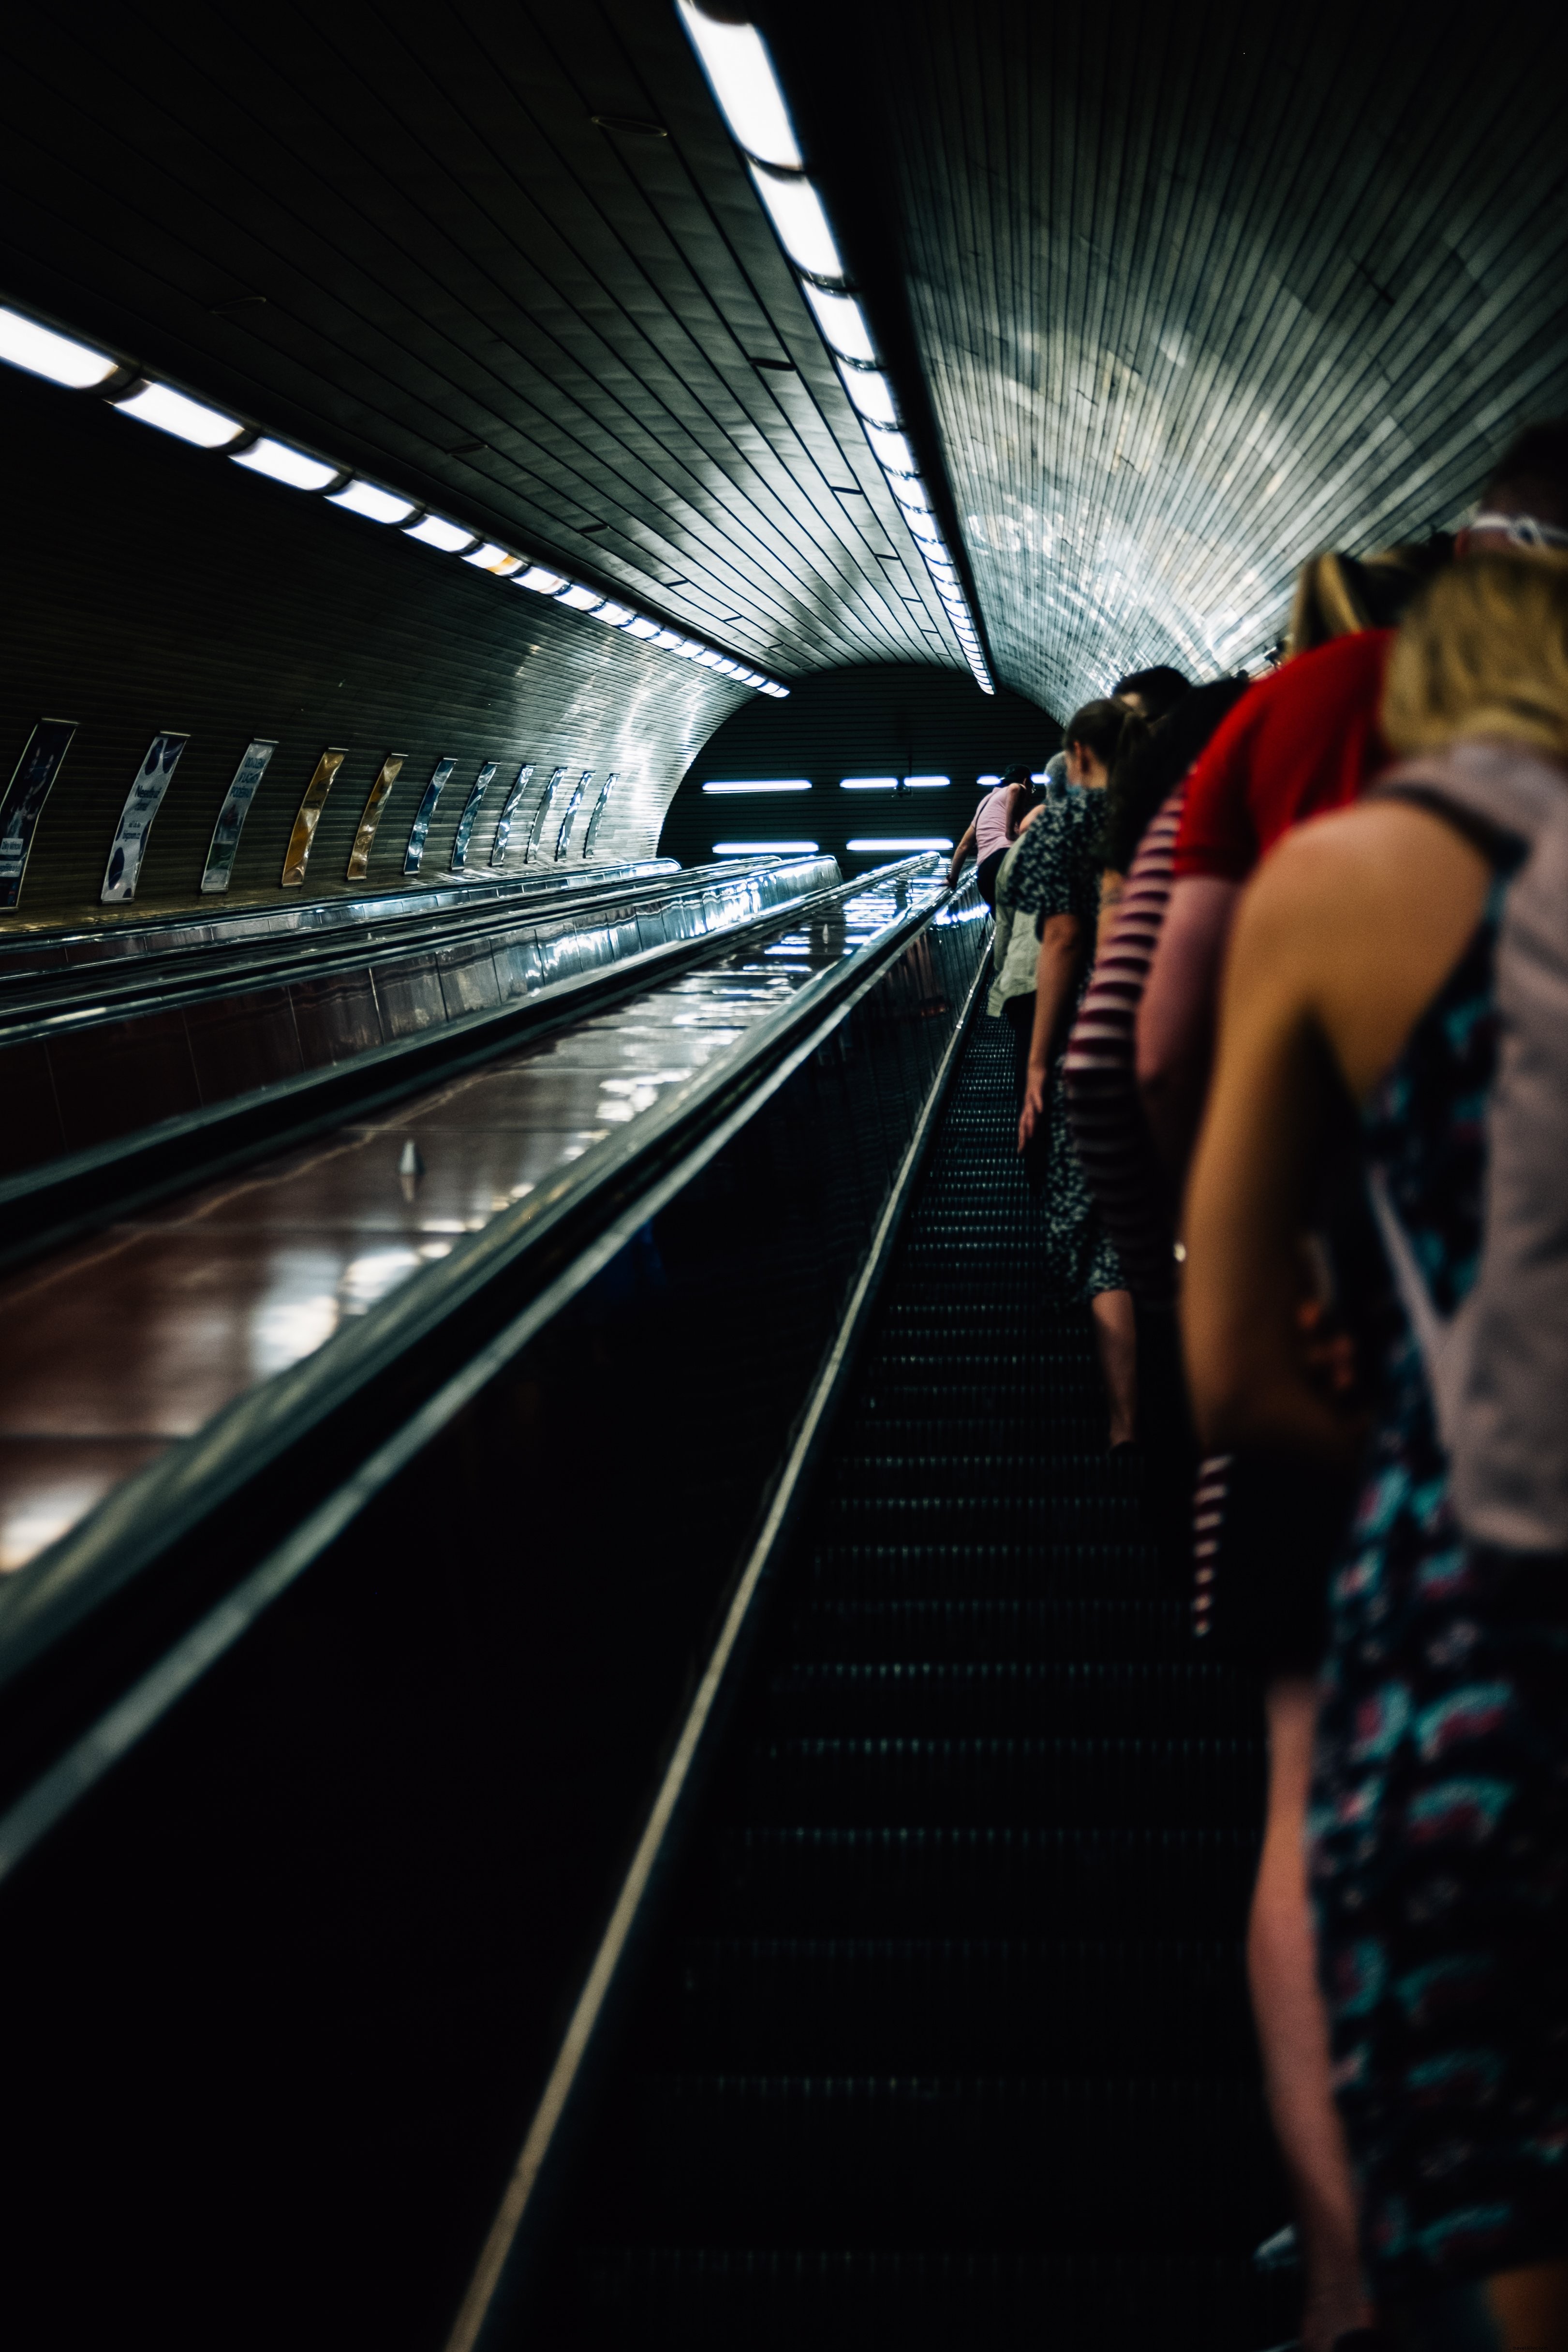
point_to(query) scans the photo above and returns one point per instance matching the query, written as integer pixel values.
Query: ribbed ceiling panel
(399, 235)
(1199, 292)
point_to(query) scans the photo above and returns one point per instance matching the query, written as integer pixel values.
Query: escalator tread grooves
(949, 2032)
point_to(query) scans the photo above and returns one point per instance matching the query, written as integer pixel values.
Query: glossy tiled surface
(132, 1340)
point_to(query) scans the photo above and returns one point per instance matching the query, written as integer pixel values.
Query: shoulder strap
(1510, 791)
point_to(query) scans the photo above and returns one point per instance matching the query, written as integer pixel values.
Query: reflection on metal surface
(359, 855)
(28, 790)
(466, 821)
(310, 815)
(563, 838)
(596, 820)
(541, 814)
(139, 1337)
(141, 805)
(507, 810)
(439, 776)
(219, 867)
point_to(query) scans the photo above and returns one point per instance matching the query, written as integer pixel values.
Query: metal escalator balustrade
(943, 2036)
(336, 1792)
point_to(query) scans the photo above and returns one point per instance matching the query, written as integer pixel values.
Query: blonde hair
(1483, 651)
(1338, 595)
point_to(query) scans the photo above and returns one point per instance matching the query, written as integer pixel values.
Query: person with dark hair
(1046, 903)
(1151, 694)
(993, 829)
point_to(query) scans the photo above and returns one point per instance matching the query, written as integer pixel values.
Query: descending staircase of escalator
(946, 2040)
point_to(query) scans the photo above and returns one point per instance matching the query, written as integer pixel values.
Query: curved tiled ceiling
(452, 246)
(1195, 293)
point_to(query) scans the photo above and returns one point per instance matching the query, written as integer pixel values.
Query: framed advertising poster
(386, 775)
(25, 797)
(597, 819)
(563, 838)
(541, 814)
(465, 832)
(440, 775)
(218, 870)
(507, 810)
(141, 805)
(298, 856)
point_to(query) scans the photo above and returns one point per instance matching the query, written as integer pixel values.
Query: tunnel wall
(884, 718)
(155, 587)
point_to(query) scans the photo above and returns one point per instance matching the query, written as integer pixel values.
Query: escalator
(945, 2038)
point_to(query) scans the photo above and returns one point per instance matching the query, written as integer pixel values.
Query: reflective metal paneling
(1199, 292)
(140, 1335)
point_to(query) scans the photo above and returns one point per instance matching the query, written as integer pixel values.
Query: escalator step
(1119, 1699)
(992, 1625)
(1098, 1570)
(1103, 1782)
(902, 2004)
(984, 1881)
(777, 2299)
(1059, 2163)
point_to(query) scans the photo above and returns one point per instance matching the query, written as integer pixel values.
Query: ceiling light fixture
(174, 412)
(42, 350)
(282, 464)
(741, 74)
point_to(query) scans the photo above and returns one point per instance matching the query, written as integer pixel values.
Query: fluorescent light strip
(795, 784)
(741, 74)
(41, 351)
(903, 841)
(760, 848)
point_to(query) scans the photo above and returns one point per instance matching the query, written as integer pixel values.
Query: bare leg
(1116, 1342)
(1293, 2031)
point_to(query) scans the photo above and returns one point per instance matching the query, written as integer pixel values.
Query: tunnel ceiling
(1197, 292)
(1174, 297)
(401, 236)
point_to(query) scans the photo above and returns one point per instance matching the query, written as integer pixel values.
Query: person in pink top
(994, 829)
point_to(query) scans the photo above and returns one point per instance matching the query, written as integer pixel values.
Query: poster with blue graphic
(507, 810)
(219, 868)
(440, 776)
(141, 805)
(25, 797)
(465, 832)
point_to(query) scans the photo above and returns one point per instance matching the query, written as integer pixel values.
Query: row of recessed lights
(736, 61)
(42, 350)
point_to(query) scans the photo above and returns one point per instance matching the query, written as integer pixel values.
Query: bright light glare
(771, 685)
(745, 86)
(793, 784)
(668, 639)
(437, 531)
(542, 580)
(871, 393)
(892, 450)
(578, 599)
(43, 352)
(842, 322)
(903, 842)
(282, 464)
(188, 420)
(909, 492)
(615, 616)
(642, 627)
(799, 221)
(757, 848)
(867, 783)
(926, 784)
(376, 505)
(492, 558)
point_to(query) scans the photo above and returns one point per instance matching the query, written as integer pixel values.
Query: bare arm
(1346, 934)
(1060, 959)
(1176, 1019)
(1016, 795)
(955, 863)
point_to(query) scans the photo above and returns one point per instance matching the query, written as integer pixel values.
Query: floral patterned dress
(1438, 1830)
(1055, 870)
